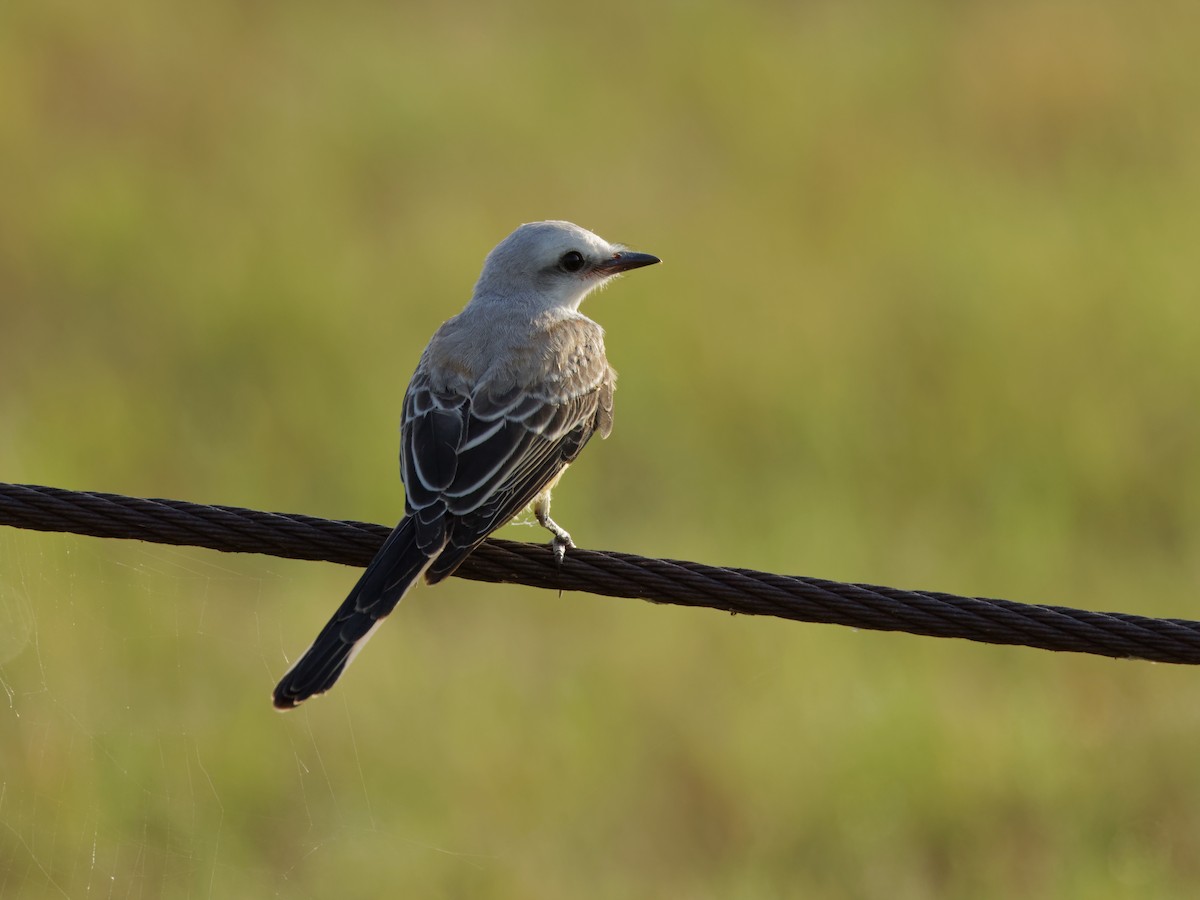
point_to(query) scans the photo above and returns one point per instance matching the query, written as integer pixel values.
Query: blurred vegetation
(928, 318)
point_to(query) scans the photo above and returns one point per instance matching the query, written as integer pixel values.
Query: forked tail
(397, 565)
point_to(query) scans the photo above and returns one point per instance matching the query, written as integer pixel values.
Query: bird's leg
(561, 540)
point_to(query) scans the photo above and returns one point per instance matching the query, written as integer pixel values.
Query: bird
(505, 396)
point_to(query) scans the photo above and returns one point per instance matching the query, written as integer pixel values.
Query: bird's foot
(561, 541)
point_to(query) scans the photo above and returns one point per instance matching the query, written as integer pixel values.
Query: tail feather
(395, 568)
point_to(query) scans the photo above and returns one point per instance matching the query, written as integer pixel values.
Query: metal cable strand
(235, 530)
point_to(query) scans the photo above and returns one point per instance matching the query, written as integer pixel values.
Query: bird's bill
(625, 260)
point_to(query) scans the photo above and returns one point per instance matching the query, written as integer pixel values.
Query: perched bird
(505, 396)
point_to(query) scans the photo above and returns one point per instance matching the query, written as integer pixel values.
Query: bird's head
(553, 264)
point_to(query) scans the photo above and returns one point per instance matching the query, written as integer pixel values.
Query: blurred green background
(928, 318)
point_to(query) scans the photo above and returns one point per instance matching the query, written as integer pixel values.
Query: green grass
(928, 318)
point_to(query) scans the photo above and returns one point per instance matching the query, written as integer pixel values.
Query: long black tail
(397, 565)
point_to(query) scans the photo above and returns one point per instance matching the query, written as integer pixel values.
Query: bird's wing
(501, 465)
(472, 460)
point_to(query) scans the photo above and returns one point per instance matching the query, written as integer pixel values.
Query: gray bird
(505, 396)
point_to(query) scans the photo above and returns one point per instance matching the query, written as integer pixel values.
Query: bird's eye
(572, 261)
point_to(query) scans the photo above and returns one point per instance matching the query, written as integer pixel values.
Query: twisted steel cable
(232, 529)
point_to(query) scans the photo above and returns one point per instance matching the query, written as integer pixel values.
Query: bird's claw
(561, 542)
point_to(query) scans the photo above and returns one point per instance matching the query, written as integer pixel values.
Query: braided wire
(236, 530)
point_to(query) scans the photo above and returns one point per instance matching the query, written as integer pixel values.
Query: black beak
(624, 261)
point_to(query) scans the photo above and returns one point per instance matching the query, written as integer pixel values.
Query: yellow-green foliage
(928, 317)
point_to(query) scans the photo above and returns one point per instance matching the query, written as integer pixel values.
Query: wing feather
(473, 457)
